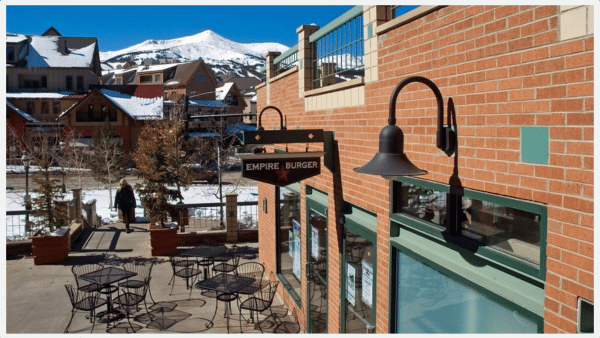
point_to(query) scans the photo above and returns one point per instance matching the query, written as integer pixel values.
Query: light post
(26, 161)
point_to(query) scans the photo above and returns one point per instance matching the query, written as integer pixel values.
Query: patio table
(205, 251)
(227, 286)
(105, 277)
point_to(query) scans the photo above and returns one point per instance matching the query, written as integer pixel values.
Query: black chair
(84, 300)
(143, 269)
(184, 267)
(84, 285)
(129, 299)
(260, 301)
(251, 270)
(229, 262)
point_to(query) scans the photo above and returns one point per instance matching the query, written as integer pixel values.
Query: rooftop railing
(286, 61)
(338, 49)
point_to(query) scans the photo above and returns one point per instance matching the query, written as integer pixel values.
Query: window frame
(69, 82)
(284, 282)
(494, 256)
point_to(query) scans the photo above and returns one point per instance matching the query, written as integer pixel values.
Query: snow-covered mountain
(222, 55)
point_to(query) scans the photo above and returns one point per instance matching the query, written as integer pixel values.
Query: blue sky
(118, 27)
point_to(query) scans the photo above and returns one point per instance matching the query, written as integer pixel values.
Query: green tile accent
(370, 30)
(534, 145)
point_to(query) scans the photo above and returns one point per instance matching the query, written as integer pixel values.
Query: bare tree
(106, 163)
(74, 156)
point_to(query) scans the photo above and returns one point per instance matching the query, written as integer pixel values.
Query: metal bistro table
(205, 251)
(105, 277)
(227, 287)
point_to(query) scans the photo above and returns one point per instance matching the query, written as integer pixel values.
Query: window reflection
(426, 204)
(288, 238)
(512, 231)
(359, 283)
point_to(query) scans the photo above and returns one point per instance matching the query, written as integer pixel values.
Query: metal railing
(338, 50)
(286, 61)
(211, 216)
(16, 225)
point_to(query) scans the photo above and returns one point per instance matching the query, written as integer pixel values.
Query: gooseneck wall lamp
(391, 161)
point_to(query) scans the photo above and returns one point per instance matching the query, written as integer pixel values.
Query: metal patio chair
(143, 270)
(183, 269)
(260, 301)
(84, 300)
(130, 297)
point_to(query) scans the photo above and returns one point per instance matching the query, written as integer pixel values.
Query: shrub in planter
(49, 243)
(160, 165)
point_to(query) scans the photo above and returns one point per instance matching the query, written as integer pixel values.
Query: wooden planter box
(163, 242)
(50, 249)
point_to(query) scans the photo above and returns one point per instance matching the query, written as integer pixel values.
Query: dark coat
(125, 199)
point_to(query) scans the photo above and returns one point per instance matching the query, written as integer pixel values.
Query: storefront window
(359, 283)
(424, 203)
(289, 241)
(430, 302)
(512, 231)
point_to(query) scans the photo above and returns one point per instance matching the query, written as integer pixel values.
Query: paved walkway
(37, 302)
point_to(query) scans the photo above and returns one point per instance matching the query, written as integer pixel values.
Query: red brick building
(497, 236)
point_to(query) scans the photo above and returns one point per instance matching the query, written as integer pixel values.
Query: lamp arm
(440, 139)
(280, 118)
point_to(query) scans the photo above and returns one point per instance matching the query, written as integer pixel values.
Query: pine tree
(106, 163)
(45, 214)
(160, 161)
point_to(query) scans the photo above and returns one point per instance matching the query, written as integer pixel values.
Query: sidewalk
(37, 302)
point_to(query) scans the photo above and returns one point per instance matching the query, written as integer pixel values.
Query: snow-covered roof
(22, 113)
(37, 95)
(155, 68)
(15, 38)
(222, 91)
(136, 107)
(254, 98)
(44, 53)
(172, 83)
(201, 103)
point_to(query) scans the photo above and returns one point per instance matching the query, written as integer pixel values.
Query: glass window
(30, 107)
(10, 54)
(56, 108)
(119, 80)
(69, 82)
(359, 283)
(428, 301)
(289, 240)
(44, 81)
(200, 77)
(79, 83)
(509, 230)
(424, 203)
(45, 108)
(156, 77)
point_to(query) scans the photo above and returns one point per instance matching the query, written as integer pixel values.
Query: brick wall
(505, 68)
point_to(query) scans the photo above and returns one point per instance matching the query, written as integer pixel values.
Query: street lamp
(391, 161)
(26, 161)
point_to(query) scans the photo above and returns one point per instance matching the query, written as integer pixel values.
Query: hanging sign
(281, 169)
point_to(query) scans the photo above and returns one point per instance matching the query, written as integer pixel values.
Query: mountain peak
(215, 50)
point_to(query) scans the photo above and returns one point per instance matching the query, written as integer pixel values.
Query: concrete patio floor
(37, 302)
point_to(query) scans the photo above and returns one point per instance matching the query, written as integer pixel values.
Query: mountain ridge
(222, 55)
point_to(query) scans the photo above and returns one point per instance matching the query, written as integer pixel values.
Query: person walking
(125, 200)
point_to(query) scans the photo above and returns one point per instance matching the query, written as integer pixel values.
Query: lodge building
(496, 234)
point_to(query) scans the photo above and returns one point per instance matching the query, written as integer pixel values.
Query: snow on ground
(195, 194)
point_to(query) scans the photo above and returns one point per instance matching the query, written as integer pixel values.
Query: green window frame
(284, 281)
(450, 231)
(363, 223)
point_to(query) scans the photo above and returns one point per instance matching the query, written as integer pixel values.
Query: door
(316, 272)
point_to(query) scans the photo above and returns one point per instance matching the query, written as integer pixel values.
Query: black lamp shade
(391, 162)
